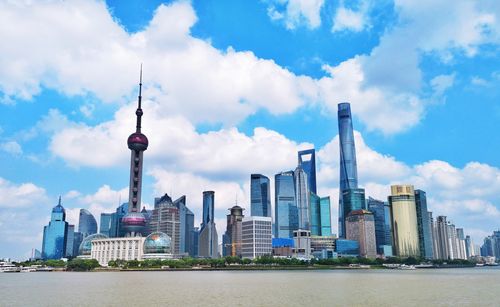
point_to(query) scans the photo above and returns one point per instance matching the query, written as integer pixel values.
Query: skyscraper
(260, 195)
(307, 160)
(134, 222)
(404, 221)
(55, 234)
(117, 229)
(286, 213)
(320, 217)
(207, 239)
(441, 238)
(382, 217)
(360, 226)
(70, 241)
(105, 223)
(302, 197)
(232, 246)
(87, 224)
(423, 223)
(166, 219)
(352, 199)
(186, 218)
(348, 166)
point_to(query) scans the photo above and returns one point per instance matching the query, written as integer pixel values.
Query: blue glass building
(286, 213)
(348, 165)
(382, 215)
(208, 239)
(302, 197)
(307, 160)
(260, 195)
(315, 215)
(87, 224)
(116, 229)
(105, 223)
(70, 241)
(186, 217)
(352, 199)
(423, 223)
(55, 234)
(325, 216)
(347, 248)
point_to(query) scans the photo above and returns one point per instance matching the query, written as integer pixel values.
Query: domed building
(157, 245)
(85, 248)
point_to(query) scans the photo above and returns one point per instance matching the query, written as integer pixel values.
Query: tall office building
(452, 241)
(166, 218)
(286, 212)
(441, 238)
(77, 240)
(424, 230)
(55, 234)
(207, 239)
(134, 222)
(383, 233)
(320, 218)
(432, 230)
(195, 236)
(404, 221)
(348, 167)
(462, 253)
(232, 244)
(302, 197)
(186, 217)
(256, 236)
(117, 229)
(105, 223)
(352, 199)
(70, 241)
(307, 161)
(87, 224)
(260, 195)
(469, 247)
(360, 226)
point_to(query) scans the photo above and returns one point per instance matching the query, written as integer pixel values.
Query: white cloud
(20, 195)
(296, 13)
(347, 19)
(12, 147)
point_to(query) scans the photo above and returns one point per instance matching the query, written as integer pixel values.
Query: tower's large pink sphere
(137, 141)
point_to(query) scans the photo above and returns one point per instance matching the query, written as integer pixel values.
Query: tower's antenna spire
(59, 200)
(139, 109)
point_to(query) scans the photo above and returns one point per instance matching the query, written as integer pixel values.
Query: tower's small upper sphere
(137, 141)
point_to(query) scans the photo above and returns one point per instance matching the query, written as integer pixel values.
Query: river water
(423, 287)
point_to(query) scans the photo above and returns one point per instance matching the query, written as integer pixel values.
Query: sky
(234, 87)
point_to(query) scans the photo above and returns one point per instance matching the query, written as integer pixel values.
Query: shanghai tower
(348, 168)
(134, 222)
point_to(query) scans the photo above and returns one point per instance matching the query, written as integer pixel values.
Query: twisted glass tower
(348, 167)
(260, 195)
(134, 222)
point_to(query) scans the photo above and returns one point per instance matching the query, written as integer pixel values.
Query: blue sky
(235, 87)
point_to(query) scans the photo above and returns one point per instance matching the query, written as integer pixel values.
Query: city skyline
(43, 152)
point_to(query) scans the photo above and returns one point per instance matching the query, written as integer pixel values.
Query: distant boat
(406, 267)
(479, 264)
(7, 267)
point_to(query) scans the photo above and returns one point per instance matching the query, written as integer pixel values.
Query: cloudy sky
(237, 87)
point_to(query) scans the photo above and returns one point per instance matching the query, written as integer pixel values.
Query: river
(423, 287)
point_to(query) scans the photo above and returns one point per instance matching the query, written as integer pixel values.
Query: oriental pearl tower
(134, 222)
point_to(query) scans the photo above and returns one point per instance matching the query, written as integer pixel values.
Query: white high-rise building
(256, 236)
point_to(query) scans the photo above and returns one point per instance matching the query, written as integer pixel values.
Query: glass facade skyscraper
(186, 217)
(348, 165)
(260, 195)
(116, 229)
(286, 213)
(352, 199)
(55, 234)
(208, 240)
(307, 160)
(382, 215)
(424, 230)
(105, 223)
(321, 224)
(87, 224)
(302, 197)
(325, 216)
(404, 221)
